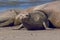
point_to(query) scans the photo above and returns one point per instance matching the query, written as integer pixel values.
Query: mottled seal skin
(52, 9)
(36, 21)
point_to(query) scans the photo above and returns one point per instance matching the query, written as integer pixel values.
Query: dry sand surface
(8, 34)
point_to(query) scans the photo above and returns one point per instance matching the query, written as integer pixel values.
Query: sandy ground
(8, 34)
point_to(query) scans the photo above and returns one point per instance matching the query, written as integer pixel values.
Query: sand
(8, 34)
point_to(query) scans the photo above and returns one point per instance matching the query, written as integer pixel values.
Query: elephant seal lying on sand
(52, 11)
(7, 17)
(36, 21)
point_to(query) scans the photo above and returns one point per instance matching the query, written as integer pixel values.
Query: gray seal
(36, 20)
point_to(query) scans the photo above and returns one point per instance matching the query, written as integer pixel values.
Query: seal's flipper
(20, 27)
(46, 25)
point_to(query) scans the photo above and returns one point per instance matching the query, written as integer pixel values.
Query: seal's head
(19, 17)
(35, 20)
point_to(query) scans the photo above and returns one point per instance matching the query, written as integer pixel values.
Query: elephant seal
(52, 11)
(36, 20)
(7, 17)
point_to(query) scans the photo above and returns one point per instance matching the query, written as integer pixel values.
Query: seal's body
(7, 17)
(36, 20)
(52, 11)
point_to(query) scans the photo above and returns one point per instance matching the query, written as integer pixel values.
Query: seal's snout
(24, 16)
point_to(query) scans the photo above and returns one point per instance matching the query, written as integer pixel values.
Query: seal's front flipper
(46, 25)
(19, 28)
